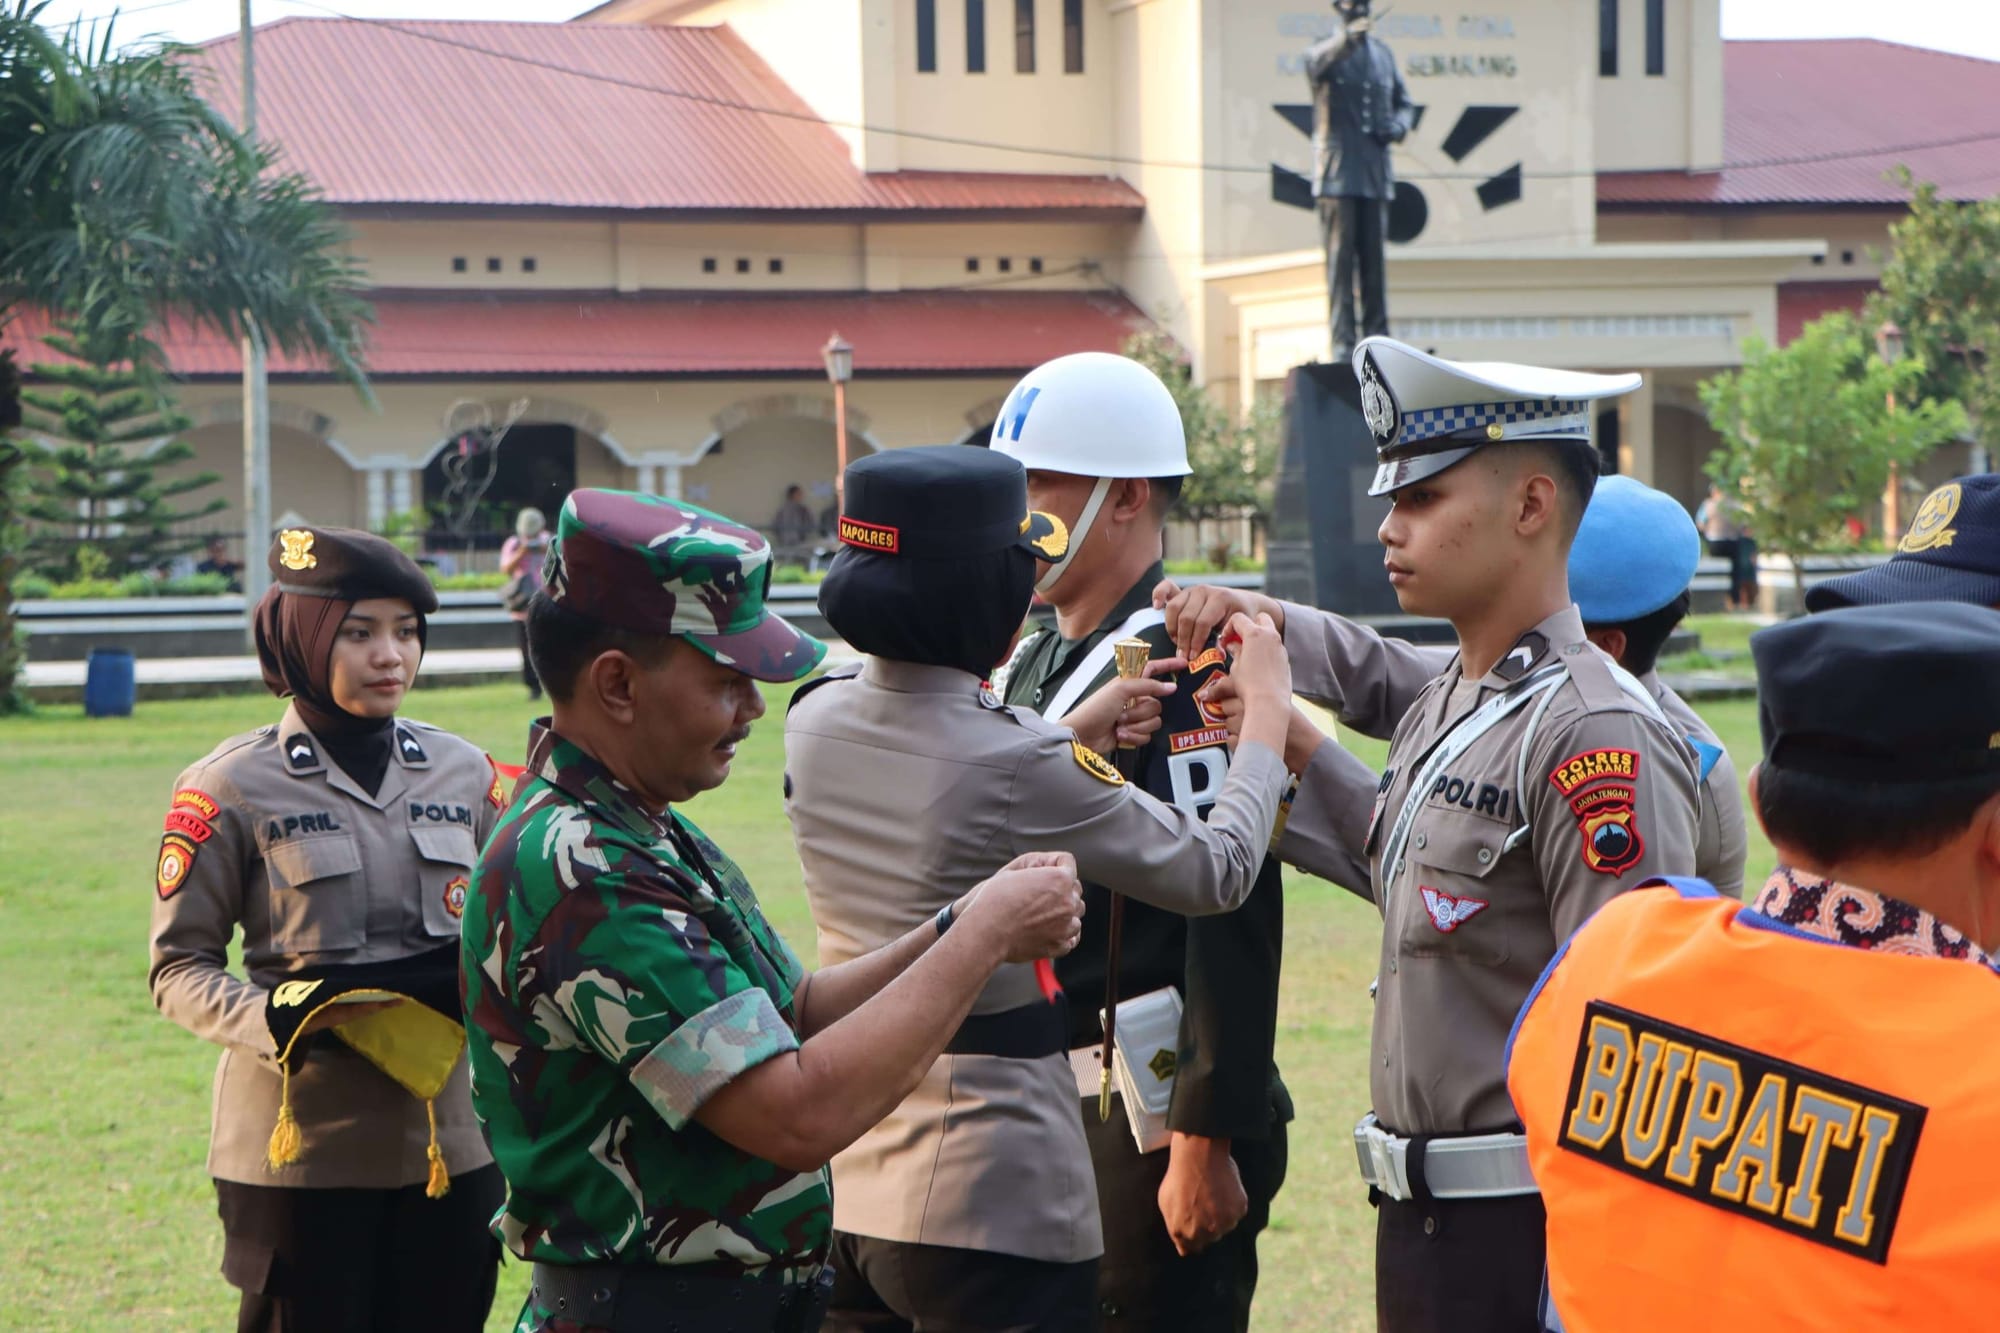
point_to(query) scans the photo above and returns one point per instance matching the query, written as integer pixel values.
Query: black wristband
(945, 916)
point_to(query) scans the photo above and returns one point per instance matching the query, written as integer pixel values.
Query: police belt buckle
(1466, 1166)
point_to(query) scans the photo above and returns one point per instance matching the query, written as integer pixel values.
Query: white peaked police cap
(1427, 413)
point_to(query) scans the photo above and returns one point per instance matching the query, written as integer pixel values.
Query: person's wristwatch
(945, 916)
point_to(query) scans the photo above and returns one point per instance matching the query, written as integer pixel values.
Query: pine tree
(95, 485)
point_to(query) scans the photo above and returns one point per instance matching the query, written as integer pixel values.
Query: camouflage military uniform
(616, 967)
(617, 972)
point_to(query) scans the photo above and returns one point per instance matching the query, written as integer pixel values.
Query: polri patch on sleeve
(176, 859)
(1740, 1130)
(1603, 791)
(198, 801)
(1095, 764)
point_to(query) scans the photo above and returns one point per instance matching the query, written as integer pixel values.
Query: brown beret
(349, 565)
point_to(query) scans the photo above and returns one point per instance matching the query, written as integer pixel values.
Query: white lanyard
(1097, 659)
(1455, 743)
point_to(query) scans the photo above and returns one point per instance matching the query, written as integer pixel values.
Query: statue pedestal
(1322, 546)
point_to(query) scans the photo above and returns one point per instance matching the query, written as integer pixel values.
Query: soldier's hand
(1124, 712)
(1202, 1197)
(1034, 904)
(1193, 614)
(335, 1014)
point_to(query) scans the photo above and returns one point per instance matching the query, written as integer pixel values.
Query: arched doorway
(762, 448)
(550, 448)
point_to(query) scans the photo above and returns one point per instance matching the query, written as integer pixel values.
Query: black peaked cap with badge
(1427, 413)
(1950, 554)
(944, 501)
(1883, 694)
(349, 565)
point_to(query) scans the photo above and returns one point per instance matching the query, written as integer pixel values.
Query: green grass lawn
(110, 1221)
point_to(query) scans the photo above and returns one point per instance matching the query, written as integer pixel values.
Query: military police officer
(341, 840)
(660, 1079)
(972, 1206)
(1106, 452)
(1525, 786)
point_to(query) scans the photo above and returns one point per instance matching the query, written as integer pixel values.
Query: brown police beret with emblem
(349, 565)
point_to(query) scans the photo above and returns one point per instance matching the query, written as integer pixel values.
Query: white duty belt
(1468, 1166)
(1098, 658)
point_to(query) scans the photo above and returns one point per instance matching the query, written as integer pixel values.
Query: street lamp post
(839, 357)
(1889, 346)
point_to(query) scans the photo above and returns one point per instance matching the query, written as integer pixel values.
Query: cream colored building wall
(815, 47)
(1047, 109)
(1157, 48)
(307, 477)
(1853, 237)
(1672, 121)
(1074, 255)
(669, 256)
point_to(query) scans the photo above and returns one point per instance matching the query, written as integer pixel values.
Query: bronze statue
(1360, 107)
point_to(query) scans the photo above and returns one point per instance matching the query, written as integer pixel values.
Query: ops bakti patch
(1095, 764)
(1787, 1146)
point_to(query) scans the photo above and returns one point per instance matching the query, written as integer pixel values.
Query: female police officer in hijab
(351, 1178)
(973, 1206)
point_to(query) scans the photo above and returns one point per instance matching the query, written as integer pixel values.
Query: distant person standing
(793, 527)
(217, 562)
(1720, 518)
(521, 561)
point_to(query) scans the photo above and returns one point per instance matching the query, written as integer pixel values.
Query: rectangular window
(926, 36)
(1607, 39)
(975, 36)
(1024, 36)
(1072, 36)
(1656, 37)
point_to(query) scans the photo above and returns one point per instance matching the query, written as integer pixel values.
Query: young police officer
(660, 1079)
(1525, 786)
(1105, 451)
(1738, 1125)
(1635, 554)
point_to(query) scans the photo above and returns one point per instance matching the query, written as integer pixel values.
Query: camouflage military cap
(346, 564)
(657, 566)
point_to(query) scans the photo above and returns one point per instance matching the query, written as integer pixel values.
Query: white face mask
(1077, 532)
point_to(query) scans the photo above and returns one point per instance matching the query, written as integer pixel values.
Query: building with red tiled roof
(633, 234)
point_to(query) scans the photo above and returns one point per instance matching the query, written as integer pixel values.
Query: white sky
(1971, 27)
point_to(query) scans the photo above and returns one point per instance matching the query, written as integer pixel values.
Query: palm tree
(129, 201)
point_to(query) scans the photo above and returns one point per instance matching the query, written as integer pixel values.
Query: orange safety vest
(1738, 1126)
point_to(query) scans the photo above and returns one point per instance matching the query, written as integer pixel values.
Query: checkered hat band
(1431, 423)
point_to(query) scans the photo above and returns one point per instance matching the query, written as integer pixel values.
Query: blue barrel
(109, 684)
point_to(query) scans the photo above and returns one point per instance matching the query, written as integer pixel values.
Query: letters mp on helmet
(1427, 413)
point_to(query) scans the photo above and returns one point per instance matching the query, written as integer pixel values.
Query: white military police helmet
(1092, 414)
(1427, 413)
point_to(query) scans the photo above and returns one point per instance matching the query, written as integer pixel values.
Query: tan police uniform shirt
(907, 786)
(1475, 913)
(1371, 682)
(316, 871)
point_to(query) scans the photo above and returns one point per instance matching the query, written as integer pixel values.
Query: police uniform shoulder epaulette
(1595, 677)
(441, 744)
(235, 744)
(848, 672)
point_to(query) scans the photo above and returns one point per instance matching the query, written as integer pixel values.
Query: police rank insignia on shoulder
(1811, 1155)
(1095, 764)
(1602, 787)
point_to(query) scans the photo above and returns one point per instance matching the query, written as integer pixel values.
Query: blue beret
(1636, 550)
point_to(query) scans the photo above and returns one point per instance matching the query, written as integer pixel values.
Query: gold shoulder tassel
(287, 1142)
(439, 1184)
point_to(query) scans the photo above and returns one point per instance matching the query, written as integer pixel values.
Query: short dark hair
(1166, 492)
(561, 643)
(1833, 820)
(1573, 464)
(1647, 635)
